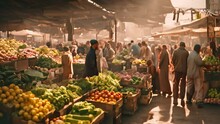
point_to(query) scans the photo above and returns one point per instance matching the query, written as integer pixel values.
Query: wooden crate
(7, 112)
(111, 111)
(130, 103)
(66, 109)
(32, 61)
(145, 99)
(98, 119)
(21, 65)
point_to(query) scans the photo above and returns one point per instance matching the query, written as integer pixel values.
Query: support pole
(116, 31)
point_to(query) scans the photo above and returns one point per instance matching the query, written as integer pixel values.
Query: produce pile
(118, 62)
(212, 64)
(50, 53)
(11, 96)
(84, 84)
(135, 79)
(58, 97)
(27, 53)
(128, 91)
(46, 62)
(125, 54)
(9, 49)
(81, 113)
(105, 81)
(105, 96)
(139, 62)
(213, 96)
(33, 108)
(8, 76)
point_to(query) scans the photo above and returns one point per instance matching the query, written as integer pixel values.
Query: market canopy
(26, 32)
(26, 14)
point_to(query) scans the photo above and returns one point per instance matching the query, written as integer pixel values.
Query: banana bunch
(213, 93)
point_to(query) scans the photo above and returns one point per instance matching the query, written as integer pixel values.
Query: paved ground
(162, 111)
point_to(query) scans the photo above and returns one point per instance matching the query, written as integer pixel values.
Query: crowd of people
(163, 63)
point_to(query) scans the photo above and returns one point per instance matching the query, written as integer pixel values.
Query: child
(155, 80)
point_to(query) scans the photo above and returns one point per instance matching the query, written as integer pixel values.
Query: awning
(176, 32)
(25, 33)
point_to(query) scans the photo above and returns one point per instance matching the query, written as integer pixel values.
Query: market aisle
(161, 111)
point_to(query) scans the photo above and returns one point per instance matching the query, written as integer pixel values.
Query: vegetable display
(81, 113)
(213, 96)
(105, 96)
(8, 76)
(128, 90)
(105, 82)
(58, 97)
(46, 62)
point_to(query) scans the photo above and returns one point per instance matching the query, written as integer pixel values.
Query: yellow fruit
(45, 111)
(5, 88)
(10, 98)
(41, 108)
(33, 112)
(17, 105)
(4, 101)
(22, 104)
(36, 109)
(21, 112)
(35, 118)
(16, 88)
(29, 117)
(11, 85)
(17, 91)
(26, 115)
(39, 103)
(13, 94)
(31, 95)
(11, 90)
(20, 99)
(3, 96)
(7, 93)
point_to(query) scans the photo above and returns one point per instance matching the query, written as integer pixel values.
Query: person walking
(91, 68)
(164, 72)
(67, 62)
(194, 83)
(179, 61)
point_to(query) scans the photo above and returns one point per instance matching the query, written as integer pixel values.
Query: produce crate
(130, 103)
(21, 65)
(141, 69)
(145, 99)
(19, 120)
(116, 68)
(7, 112)
(78, 70)
(111, 111)
(98, 119)
(66, 109)
(32, 61)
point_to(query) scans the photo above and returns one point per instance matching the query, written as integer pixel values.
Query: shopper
(109, 53)
(194, 84)
(135, 49)
(152, 70)
(143, 50)
(179, 61)
(91, 67)
(67, 62)
(164, 72)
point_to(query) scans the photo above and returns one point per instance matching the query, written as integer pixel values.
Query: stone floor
(162, 111)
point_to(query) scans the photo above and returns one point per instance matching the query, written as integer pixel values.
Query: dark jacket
(179, 60)
(91, 68)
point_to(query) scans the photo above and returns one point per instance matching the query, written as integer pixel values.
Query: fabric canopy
(26, 32)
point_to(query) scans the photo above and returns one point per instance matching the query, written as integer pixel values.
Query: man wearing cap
(179, 61)
(91, 68)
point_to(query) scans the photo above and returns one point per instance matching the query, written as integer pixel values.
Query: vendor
(91, 67)
(67, 62)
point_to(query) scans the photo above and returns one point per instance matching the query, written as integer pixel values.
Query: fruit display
(118, 62)
(11, 96)
(27, 53)
(128, 90)
(46, 62)
(213, 96)
(212, 64)
(58, 97)
(33, 108)
(43, 70)
(105, 82)
(105, 96)
(139, 62)
(81, 113)
(135, 79)
(9, 49)
(44, 50)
